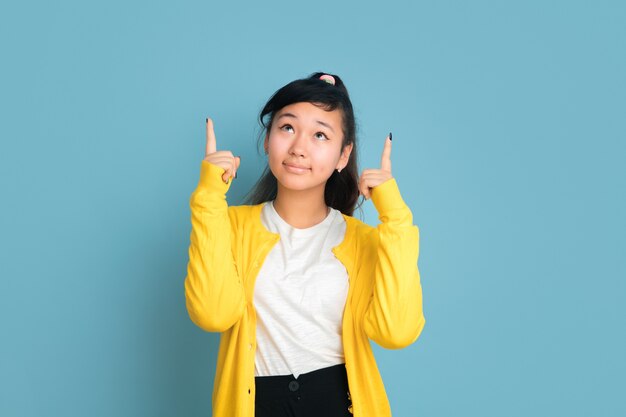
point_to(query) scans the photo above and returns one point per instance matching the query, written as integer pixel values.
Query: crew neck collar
(297, 232)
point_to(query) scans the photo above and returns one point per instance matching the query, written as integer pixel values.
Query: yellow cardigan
(228, 247)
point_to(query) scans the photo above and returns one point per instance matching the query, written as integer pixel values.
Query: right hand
(223, 159)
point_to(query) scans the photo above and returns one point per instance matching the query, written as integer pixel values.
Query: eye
(286, 127)
(321, 136)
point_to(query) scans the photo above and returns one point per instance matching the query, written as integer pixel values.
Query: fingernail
(390, 138)
(235, 175)
(206, 120)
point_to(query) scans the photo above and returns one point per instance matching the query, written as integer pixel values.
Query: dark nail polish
(390, 138)
(206, 120)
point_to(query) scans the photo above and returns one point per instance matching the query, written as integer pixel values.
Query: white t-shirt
(299, 297)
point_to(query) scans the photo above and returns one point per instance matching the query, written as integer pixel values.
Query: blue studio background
(509, 126)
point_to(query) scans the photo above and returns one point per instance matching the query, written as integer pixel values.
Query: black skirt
(323, 392)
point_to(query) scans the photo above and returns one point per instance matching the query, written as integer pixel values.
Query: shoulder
(244, 213)
(358, 231)
(356, 224)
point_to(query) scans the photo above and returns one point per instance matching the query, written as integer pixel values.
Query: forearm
(395, 316)
(213, 290)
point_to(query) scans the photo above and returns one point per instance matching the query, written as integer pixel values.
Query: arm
(213, 290)
(394, 318)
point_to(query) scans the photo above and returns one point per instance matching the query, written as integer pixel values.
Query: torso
(299, 297)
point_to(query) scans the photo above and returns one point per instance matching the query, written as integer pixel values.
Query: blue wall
(509, 128)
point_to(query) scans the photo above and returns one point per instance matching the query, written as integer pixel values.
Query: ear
(266, 142)
(345, 156)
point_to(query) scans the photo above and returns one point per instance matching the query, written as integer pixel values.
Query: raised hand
(370, 178)
(223, 159)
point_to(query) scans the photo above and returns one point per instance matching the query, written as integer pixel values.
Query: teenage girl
(296, 286)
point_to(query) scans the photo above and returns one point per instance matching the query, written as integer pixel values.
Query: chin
(298, 183)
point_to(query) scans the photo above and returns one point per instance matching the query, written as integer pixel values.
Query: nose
(298, 145)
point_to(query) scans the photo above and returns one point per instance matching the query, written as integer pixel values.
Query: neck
(301, 209)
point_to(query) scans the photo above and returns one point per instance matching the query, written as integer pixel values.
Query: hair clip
(328, 78)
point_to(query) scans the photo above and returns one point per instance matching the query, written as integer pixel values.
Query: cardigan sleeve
(214, 293)
(394, 318)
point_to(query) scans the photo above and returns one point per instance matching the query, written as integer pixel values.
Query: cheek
(275, 155)
(274, 146)
(272, 158)
(328, 160)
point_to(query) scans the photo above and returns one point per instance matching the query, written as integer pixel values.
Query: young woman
(296, 286)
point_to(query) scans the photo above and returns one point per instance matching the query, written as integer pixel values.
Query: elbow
(208, 321)
(407, 337)
(400, 336)
(212, 317)
(416, 331)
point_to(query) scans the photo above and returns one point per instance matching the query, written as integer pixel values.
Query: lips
(295, 165)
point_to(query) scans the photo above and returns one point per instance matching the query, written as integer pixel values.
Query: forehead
(310, 113)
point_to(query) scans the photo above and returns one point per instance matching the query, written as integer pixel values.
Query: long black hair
(341, 192)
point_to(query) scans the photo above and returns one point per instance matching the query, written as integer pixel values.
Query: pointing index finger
(385, 160)
(211, 142)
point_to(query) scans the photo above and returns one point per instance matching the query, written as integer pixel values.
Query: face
(304, 146)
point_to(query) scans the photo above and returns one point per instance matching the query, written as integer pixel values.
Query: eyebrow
(295, 117)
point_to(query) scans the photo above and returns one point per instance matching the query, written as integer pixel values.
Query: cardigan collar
(341, 248)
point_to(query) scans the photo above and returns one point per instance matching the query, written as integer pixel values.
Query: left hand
(370, 178)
